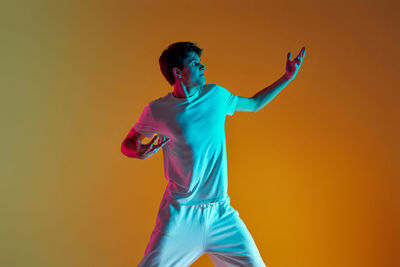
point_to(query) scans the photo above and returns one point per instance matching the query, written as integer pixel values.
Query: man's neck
(181, 91)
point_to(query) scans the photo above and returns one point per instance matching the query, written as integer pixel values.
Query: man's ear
(177, 73)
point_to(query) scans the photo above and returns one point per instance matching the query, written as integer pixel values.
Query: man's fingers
(166, 141)
(153, 143)
(299, 57)
(151, 148)
(301, 53)
(160, 138)
(163, 142)
(153, 140)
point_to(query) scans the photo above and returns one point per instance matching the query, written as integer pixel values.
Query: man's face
(192, 74)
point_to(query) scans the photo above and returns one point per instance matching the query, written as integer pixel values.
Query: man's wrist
(287, 77)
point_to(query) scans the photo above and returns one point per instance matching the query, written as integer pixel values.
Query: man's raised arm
(263, 97)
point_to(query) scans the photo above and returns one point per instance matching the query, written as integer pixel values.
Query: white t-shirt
(195, 162)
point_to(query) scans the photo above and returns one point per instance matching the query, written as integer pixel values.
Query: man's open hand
(293, 66)
(146, 150)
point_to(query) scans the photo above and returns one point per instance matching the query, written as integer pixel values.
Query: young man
(195, 215)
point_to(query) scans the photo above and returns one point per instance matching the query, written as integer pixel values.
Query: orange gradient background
(314, 175)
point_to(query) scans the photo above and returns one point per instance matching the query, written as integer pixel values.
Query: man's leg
(163, 251)
(228, 242)
(177, 239)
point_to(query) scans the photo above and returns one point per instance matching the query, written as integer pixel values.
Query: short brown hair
(174, 56)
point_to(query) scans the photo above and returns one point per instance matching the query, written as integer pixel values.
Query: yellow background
(314, 175)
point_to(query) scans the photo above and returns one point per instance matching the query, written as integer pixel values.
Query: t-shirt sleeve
(146, 125)
(230, 101)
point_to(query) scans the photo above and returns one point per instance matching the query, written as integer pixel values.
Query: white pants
(184, 232)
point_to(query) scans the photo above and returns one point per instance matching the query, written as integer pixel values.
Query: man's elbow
(259, 105)
(124, 150)
(128, 150)
(254, 104)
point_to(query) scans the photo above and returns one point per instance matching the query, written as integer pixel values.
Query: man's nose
(202, 67)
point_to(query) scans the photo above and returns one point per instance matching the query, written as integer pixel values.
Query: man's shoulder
(212, 86)
(157, 107)
(160, 100)
(216, 89)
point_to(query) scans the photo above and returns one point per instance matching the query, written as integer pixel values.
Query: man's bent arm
(130, 146)
(265, 96)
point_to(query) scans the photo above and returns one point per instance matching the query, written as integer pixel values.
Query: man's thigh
(167, 251)
(177, 238)
(229, 243)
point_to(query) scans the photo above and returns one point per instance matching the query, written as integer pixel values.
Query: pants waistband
(201, 203)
